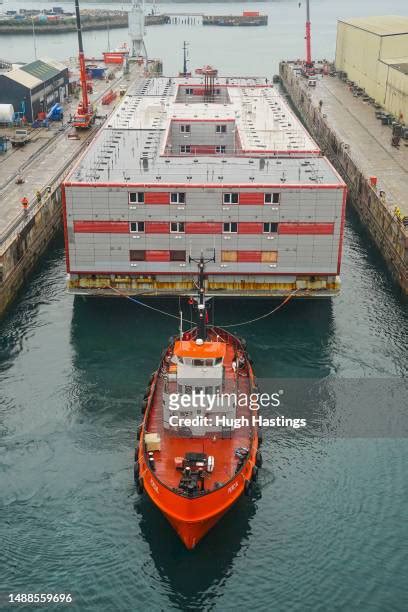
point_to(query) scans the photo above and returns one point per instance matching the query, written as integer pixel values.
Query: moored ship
(198, 445)
(187, 163)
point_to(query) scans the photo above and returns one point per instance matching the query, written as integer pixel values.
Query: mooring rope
(169, 314)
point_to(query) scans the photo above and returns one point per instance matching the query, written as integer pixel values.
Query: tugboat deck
(222, 449)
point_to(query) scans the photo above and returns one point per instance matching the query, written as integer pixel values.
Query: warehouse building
(34, 87)
(373, 52)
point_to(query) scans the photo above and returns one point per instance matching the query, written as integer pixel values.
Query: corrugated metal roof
(382, 25)
(52, 62)
(34, 74)
(41, 70)
(19, 76)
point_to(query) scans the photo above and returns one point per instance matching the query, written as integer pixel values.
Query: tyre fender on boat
(136, 471)
(254, 475)
(144, 405)
(260, 437)
(137, 452)
(248, 488)
(152, 375)
(139, 431)
(258, 459)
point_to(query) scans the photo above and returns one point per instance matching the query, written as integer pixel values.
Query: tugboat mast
(201, 302)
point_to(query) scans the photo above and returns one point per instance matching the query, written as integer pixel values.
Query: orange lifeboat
(198, 447)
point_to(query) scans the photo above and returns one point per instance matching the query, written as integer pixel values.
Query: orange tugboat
(198, 446)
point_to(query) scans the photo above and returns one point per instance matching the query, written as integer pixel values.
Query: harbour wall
(97, 22)
(382, 225)
(24, 243)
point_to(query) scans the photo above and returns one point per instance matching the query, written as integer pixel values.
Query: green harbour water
(328, 529)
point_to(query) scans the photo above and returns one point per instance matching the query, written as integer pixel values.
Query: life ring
(139, 486)
(254, 475)
(136, 471)
(258, 459)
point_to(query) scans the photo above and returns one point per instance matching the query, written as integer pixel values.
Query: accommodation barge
(203, 164)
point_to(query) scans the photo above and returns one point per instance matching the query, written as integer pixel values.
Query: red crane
(309, 62)
(85, 114)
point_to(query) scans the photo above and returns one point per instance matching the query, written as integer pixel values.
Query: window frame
(131, 258)
(271, 261)
(172, 258)
(221, 128)
(140, 197)
(270, 231)
(185, 128)
(230, 195)
(186, 147)
(178, 200)
(223, 147)
(274, 196)
(137, 231)
(189, 91)
(230, 231)
(232, 256)
(178, 231)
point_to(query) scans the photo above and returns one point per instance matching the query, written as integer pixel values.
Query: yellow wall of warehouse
(396, 101)
(394, 46)
(358, 53)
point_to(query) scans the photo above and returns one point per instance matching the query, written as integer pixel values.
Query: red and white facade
(173, 173)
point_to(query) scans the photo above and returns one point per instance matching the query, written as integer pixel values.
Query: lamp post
(34, 39)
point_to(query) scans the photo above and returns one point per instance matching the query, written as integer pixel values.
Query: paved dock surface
(40, 160)
(369, 140)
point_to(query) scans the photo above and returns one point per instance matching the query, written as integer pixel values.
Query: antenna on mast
(201, 301)
(185, 72)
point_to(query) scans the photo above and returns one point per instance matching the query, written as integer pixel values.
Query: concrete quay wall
(386, 230)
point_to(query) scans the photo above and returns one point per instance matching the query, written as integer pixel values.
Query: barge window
(272, 198)
(137, 226)
(269, 256)
(230, 228)
(220, 149)
(189, 91)
(220, 129)
(185, 129)
(178, 198)
(185, 149)
(137, 255)
(177, 226)
(229, 256)
(218, 360)
(136, 197)
(231, 198)
(270, 228)
(177, 256)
